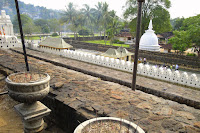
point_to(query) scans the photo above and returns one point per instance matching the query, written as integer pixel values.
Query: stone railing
(145, 70)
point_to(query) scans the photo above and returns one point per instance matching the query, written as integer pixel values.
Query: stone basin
(123, 126)
(29, 91)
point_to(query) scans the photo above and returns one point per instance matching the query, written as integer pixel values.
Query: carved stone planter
(28, 88)
(108, 124)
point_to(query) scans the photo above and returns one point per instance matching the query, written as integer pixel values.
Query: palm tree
(114, 27)
(87, 12)
(70, 17)
(105, 19)
(98, 16)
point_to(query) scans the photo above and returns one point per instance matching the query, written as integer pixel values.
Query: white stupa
(149, 40)
(7, 38)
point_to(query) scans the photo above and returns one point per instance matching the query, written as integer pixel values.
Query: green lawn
(31, 38)
(107, 43)
(72, 35)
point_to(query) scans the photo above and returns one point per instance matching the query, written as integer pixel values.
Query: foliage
(43, 24)
(53, 24)
(30, 28)
(84, 32)
(33, 11)
(25, 19)
(192, 26)
(27, 24)
(54, 34)
(177, 23)
(98, 18)
(151, 9)
(191, 54)
(114, 27)
(180, 41)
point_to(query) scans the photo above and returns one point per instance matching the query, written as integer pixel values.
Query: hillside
(35, 12)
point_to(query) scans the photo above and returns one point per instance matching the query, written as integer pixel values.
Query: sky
(179, 8)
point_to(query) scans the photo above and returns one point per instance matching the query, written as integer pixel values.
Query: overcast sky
(179, 8)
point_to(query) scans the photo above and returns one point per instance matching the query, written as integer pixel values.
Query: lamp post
(137, 43)
(22, 36)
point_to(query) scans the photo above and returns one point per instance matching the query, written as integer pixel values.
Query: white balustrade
(146, 70)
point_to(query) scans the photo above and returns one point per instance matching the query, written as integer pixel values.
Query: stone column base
(32, 116)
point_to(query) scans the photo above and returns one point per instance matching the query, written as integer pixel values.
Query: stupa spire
(150, 25)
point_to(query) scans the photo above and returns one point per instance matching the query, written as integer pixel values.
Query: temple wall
(145, 70)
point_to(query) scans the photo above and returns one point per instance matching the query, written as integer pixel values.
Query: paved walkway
(92, 96)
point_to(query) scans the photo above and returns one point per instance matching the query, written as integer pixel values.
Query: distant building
(167, 47)
(7, 38)
(54, 43)
(164, 37)
(149, 40)
(120, 53)
(125, 36)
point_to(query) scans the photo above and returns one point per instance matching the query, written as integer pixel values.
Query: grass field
(108, 43)
(72, 35)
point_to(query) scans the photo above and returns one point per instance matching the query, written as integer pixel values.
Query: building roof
(124, 34)
(58, 43)
(166, 46)
(124, 51)
(165, 35)
(117, 53)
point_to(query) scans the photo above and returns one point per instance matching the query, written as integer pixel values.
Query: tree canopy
(181, 41)
(27, 24)
(191, 29)
(152, 9)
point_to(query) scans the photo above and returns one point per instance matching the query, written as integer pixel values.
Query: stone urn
(108, 124)
(28, 88)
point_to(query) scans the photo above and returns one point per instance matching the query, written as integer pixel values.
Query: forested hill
(35, 12)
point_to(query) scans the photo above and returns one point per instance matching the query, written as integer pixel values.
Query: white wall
(145, 70)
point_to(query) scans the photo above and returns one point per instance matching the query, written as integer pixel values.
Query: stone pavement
(93, 97)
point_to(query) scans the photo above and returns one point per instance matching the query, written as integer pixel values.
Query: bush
(120, 42)
(55, 34)
(84, 32)
(115, 41)
(191, 54)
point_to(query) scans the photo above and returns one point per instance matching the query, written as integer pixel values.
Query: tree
(192, 26)
(105, 19)
(98, 16)
(151, 9)
(25, 20)
(194, 32)
(87, 12)
(70, 16)
(180, 41)
(43, 24)
(30, 28)
(114, 27)
(53, 24)
(177, 23)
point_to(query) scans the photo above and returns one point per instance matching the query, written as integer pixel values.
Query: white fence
(145, 70)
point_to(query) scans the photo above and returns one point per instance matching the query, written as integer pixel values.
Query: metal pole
(22, 36)
(137, 43)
